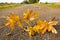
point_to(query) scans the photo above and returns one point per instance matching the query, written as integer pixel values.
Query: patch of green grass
(10, 5)
(49, 5)
(3, 6)
(53, 5)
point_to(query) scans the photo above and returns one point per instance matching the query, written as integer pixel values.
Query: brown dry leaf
(8, 34)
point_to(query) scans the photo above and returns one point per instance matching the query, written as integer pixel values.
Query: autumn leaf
(12, 20)
(43, 30)
(19, 24)
(54, 30)
(30, 15)
(37, 29)
(33, 17)
(53, 22)
(30, 31)
(43, 26)
(11, 23)
(51, 28)
(27, 14)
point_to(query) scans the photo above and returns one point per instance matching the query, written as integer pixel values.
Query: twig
(53, 18)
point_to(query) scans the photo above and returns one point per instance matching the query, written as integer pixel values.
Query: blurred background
(15, 3)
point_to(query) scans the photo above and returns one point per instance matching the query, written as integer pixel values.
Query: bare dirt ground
(19, 34)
